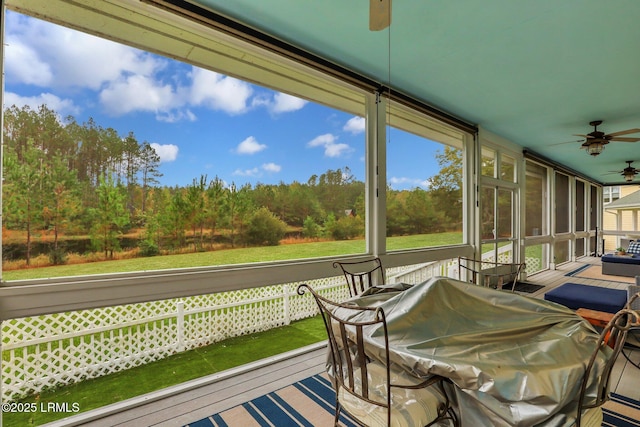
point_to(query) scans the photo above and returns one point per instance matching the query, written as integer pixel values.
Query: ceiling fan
(379, 14)
(595, 141)
(629, 173)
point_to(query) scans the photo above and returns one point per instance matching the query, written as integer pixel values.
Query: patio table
(513, 360)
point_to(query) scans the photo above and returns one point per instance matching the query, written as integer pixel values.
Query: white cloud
(279, 103)
(127, 80)
(136, 93)
(405, 182)
(167, 152)
(271, 167)
(322, 140)
(284, 103)
(331, 147)
(63, 107)
(176, 116)
(354, 125)
(250, 146)
(337, 150)
(23, 64)
(219, 92)
(257, 172)
(247, 172)
(45, 54)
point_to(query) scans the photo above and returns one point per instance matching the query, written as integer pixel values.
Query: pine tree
(110, 217)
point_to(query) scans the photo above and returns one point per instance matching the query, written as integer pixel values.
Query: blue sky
(199, 122)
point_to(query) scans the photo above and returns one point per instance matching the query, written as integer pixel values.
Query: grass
(173, 370)
(233, 256)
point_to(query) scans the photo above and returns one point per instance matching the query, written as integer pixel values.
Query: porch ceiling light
(629, 173)
(595, 148)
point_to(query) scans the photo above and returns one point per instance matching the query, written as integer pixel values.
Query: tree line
(63, 178)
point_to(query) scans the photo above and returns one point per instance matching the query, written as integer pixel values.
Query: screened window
(580, 206)
(488, 164)
(580, 247)
(507, 168)
(424, 182)
(562, 212)
(537, 258)
(561, 252)
(536, 200)
(593, 209)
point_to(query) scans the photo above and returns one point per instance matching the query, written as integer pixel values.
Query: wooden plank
(596, 318)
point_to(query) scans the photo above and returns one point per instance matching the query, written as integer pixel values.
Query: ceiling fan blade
(625, 132)
(584, 136)
(379, 14)
(625, 139)
(567, 142)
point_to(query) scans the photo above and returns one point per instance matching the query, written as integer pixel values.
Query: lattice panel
(60, 349)
(333, 288)
(72, 323)
(533, 265)
(419, 273)
(38, 367)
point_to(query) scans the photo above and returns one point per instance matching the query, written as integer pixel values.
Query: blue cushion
(634, 248)
(617, 259)
(575, 296)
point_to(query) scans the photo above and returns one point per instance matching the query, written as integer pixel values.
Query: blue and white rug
(589, 271)
(310, 402)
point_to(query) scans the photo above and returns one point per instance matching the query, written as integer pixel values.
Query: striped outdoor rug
(595, 272)
(310, 402)
(621, 411)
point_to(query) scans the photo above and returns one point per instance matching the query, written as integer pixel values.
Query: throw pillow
(634, 248)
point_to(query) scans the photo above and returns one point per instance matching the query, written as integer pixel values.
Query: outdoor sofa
(623, 265)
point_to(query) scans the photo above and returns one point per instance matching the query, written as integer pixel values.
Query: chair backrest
(361, 275)
(346, 327)
(613, 335)
(490, 273)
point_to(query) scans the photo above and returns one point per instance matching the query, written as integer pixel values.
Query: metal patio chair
(614, 335)
(361, 275)
(497, 275)
(369, 390)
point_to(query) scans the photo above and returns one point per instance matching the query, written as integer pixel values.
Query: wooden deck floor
(197, 399)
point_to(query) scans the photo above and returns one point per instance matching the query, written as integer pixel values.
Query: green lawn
(233, 256)
(173, 370)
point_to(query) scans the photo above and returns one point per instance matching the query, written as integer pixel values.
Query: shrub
(310, 228)
(58, 256)
(265, 228)
(345, 228)
(149, 248)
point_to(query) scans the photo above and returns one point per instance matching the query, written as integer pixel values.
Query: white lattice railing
(420, 272)
(64, 348)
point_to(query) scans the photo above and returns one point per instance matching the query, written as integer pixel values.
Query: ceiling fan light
(595, 148)
(629, 176)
